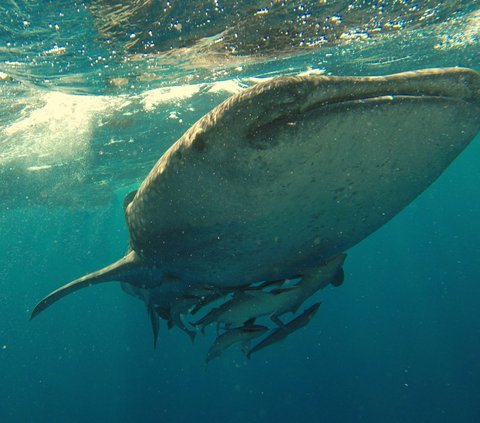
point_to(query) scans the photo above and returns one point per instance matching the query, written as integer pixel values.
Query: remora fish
(282, 332)
(249, 305)
(288, 173)
(242, 335)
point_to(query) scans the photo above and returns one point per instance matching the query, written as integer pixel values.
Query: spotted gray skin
(287, 174)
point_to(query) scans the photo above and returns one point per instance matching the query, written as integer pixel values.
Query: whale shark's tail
(123, 270)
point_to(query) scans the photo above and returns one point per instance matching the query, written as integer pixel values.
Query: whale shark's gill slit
(122, 270)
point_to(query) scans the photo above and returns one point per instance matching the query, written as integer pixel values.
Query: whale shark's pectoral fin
(155, 321)
(122, 270)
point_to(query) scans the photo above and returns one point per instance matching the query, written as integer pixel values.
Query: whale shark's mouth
(293, 98)
(379, 98)
(267, 130)
(416, 89)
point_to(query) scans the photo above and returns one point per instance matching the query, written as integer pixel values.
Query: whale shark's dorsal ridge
(277, 181)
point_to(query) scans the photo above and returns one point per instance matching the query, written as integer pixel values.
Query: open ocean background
(92, 93)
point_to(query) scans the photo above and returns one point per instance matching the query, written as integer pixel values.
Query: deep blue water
(399, 341)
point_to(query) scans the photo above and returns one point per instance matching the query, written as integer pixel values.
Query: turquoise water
(85, 114)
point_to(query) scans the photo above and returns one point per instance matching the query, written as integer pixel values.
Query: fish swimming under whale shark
(280, 178)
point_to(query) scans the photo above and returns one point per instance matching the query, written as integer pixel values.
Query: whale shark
(282, 177)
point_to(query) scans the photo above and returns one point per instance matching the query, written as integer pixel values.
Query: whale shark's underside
(254, 206)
